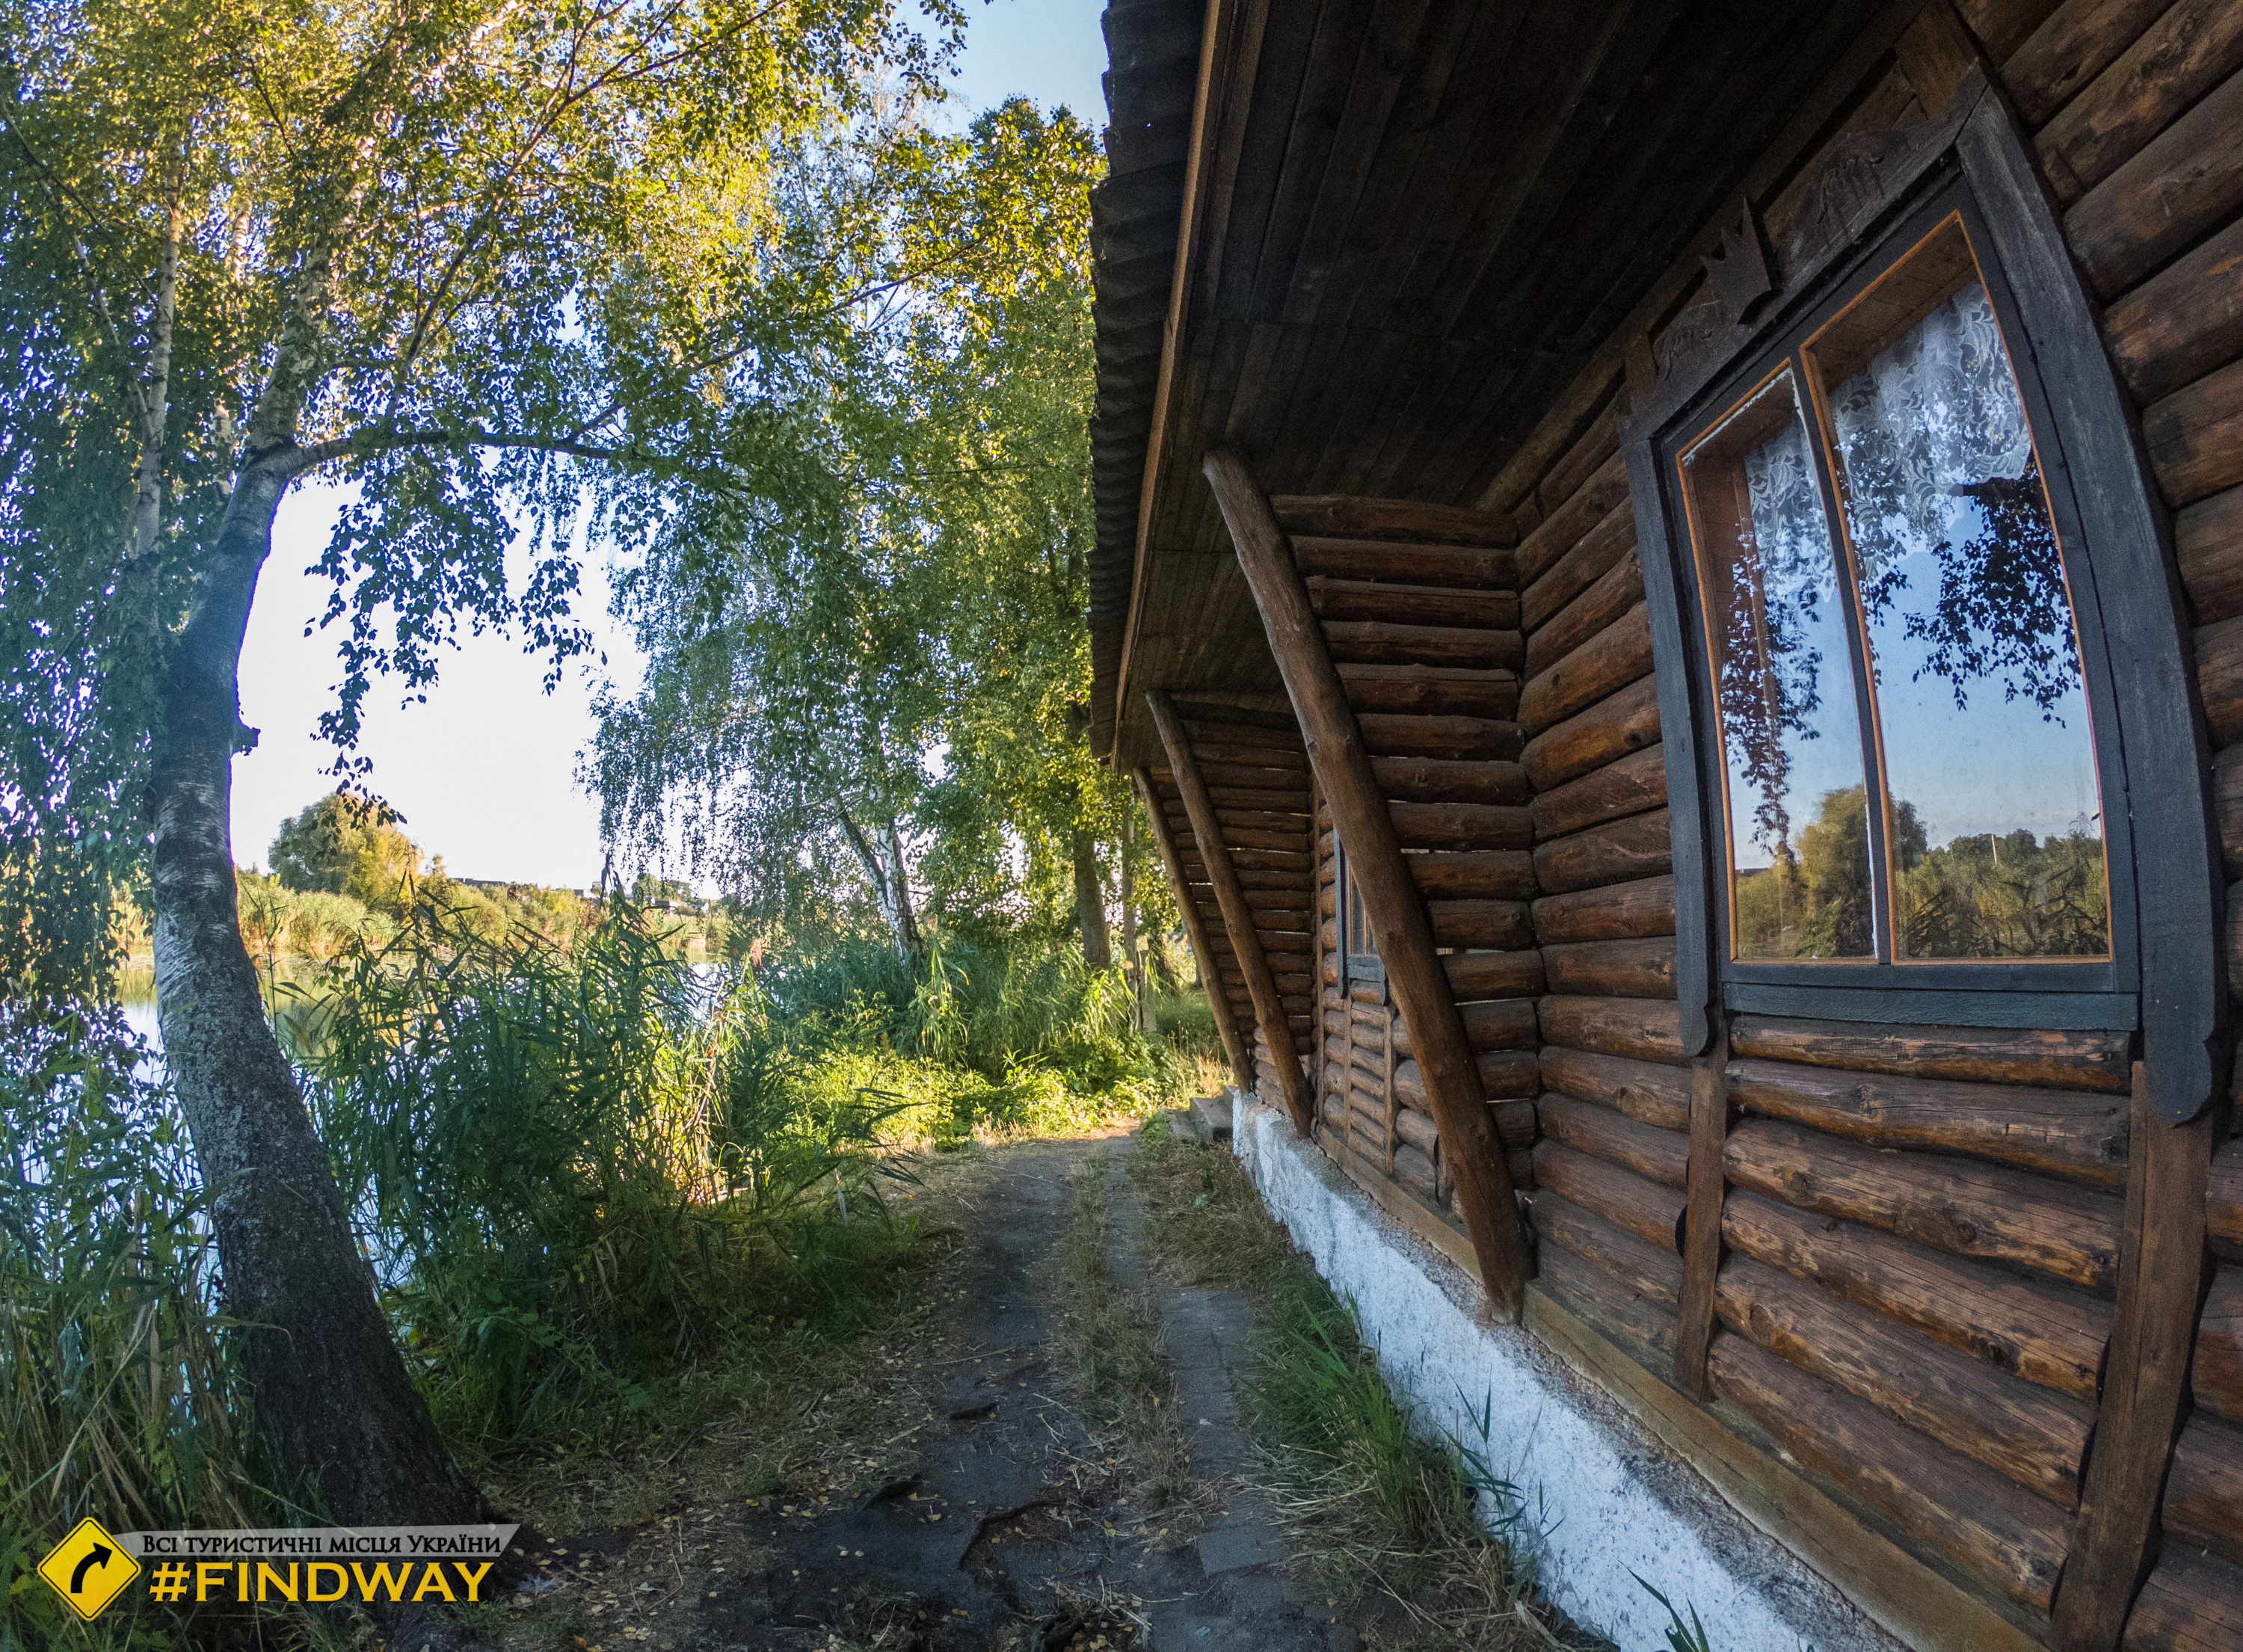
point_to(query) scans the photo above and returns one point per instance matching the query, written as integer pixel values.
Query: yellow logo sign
(88, 1569)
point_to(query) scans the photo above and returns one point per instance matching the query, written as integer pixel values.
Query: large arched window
(1932, 757)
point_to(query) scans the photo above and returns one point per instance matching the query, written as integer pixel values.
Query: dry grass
(1372, 1511)
(1108, 1337)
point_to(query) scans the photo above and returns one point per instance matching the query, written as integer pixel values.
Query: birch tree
(490, 261)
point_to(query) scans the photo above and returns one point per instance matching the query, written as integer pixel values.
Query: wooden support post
(1416, 982)
(2161, 1266)
(1210, 970)
(1237, 917)
(1701, 1247)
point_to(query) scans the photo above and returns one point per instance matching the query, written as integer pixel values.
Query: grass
(1108, 1336)
(1374, 1511)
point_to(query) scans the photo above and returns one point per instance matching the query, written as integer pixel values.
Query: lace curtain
(1932, 416)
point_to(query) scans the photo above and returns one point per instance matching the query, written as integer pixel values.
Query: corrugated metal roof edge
(1135, 218)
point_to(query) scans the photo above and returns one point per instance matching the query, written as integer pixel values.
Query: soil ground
(958, 1498)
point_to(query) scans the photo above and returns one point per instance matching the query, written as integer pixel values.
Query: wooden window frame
(2166, 975)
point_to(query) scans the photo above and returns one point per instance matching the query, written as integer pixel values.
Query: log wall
(1420, 609)
(1921, 1231)
(1258, 776)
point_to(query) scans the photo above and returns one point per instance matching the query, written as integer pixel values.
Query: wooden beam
(1211, 977)
(1701, 1247)
(2161, 1269)
(1237, 917)
(1416, 982)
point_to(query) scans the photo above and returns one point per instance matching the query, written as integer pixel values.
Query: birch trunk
(350, 1434)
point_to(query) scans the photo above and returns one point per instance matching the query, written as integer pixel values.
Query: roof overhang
(1386, 248)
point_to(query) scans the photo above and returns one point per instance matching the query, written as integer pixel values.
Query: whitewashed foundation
(1612, 1502)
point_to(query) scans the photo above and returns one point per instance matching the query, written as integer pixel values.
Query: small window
(1908, 759)
(1362, 951)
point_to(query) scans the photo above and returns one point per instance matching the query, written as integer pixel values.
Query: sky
(484, 771)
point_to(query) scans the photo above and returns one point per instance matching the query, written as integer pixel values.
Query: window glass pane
(1791, 739)
(1993, 814)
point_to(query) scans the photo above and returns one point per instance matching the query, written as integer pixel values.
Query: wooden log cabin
(1671, 577)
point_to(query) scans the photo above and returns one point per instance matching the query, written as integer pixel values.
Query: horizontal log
(1429, 691)
(2034, 1329)
(1461, 825)
(1500, 1024)
(1608, 912)
(2227, 804)
(1408, 520)
(1644, 1028)
(2178, 59)
(1651, 1211)
(2193, 1602)
(1985, 1523)
(1281, 838)
(1504, 1075)
(2220, 678)
(1415, 1128)
(1504, 924)
(1230, 752)
(1266, 799)
(1604, 604)
(2217, 1375)
(2182, 322)
(1616, 657)
(1641, 1267)
(2036, 1437)
(1261, 719)
(2204, 1490)
(1557, 533)
(1514, 1125)
(1415, 1170)
(1643, 1090)
(1399, 604)
(1287, 821)
(1456, 567)
(1437, 779)
(2224, 1207)
(1492, 975)
(1627, 785)
(1405, 734)
(2072, 1133)
(1496, 874)
(1602, 1132)
(1953, 1205)
(1620, 723)
(2208, 540)
(1605, 1301)
(1589, 558)
(2166, 195)
(1636, 969)
(1377, 642)
(1619, 851)
(2193, 435)
(2003, 1055)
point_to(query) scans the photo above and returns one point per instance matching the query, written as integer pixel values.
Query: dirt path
(999, 1523)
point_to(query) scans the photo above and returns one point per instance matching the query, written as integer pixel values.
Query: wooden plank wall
(1257, 775)
(1921, 1228)
(1420, 611)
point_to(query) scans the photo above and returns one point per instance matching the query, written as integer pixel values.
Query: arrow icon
(97, 1556)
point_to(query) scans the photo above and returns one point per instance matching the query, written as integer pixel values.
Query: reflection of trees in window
(1770, 670)
(2005, 896)
(2002, 607)
(1934, 449)
(1814, 902)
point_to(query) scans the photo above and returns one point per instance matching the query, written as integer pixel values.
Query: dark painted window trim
(2153, 726)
